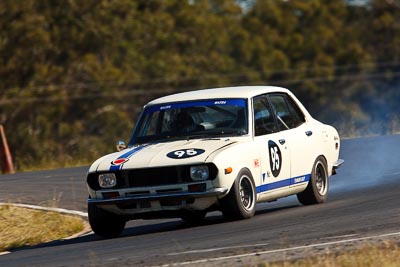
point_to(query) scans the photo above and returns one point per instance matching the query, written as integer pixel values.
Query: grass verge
(26, 227)
(385, 255)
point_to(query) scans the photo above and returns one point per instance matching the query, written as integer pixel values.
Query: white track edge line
(71, 212)
(65, 211)
(279, 250)
(215, 249)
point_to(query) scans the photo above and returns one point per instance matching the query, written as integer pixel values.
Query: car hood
(161, 154)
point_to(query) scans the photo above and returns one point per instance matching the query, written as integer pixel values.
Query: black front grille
(150, 177)
(153, 176)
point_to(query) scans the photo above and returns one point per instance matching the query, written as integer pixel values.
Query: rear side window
(287, 112)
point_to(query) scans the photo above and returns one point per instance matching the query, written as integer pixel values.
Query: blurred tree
(74, 74)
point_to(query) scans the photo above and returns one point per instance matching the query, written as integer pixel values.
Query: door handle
(282, 141)
(308, 133)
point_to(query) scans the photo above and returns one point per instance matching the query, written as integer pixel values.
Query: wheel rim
(246, 193)
(321, 178)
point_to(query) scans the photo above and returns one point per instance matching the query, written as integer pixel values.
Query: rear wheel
(105, 224)
(317, 188)
(240, 203)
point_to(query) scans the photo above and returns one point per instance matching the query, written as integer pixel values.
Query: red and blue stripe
(126, 155)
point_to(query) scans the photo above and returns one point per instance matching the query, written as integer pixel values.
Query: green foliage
(74, 74)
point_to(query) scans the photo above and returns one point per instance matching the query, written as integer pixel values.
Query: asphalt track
(363, 207)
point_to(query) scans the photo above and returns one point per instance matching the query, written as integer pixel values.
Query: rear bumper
(336, 165)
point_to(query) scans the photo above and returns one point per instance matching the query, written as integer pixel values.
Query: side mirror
(121, 145)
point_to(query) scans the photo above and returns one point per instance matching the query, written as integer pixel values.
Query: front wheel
(240, 203)
(317, 188)
(105, 224)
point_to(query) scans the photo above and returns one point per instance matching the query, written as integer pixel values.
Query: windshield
(194, 119)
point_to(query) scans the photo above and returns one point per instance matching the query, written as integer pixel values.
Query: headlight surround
(199, 173)
(107, 180)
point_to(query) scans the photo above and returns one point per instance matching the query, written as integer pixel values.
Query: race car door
(274, 154)
(298, 137)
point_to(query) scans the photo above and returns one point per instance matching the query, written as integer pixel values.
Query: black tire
(240, 203)
(105, 224)
(317, 189)
(193, 217)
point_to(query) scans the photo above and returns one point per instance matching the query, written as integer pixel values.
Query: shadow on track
(213, 218)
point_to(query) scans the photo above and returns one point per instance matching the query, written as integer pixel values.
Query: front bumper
(214, 192)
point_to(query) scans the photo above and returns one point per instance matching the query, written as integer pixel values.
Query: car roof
(219, 93)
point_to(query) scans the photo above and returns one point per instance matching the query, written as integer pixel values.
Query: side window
(151, 127)
(157, 123)
(263, 120)
(288, 113)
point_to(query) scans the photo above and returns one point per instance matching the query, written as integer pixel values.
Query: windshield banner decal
(214, 102)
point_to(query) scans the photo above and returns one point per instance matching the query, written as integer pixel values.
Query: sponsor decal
(231, 102)
(185, 153)
(275, 158)
(165, 107)
(256, 163)
(119, 161)
(299, 179)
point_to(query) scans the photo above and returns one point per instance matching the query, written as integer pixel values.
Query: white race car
(216, 149)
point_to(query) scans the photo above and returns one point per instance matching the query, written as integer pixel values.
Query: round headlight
(107, 180)
(199, 173)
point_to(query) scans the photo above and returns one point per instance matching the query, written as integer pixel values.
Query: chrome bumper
(336, 165)
(161, 196)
